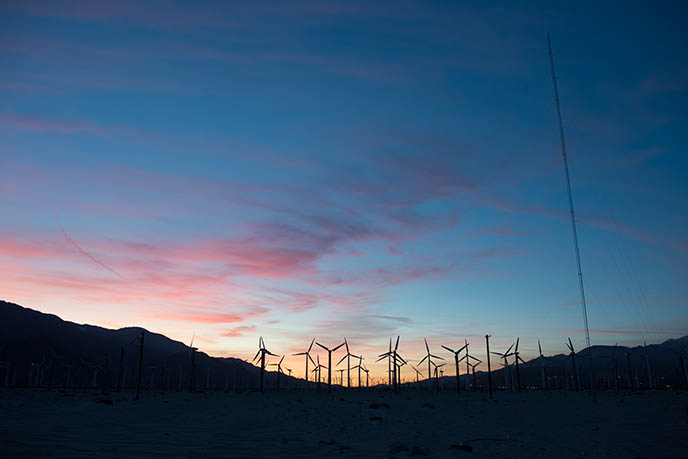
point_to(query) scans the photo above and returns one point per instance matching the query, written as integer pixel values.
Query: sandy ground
(54, 423)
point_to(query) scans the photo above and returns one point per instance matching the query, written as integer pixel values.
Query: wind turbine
(403, 362)
(473, 365)
(418, 374)
(348, 363)
(437, 379)
(392, 356)
(456, 363)
(193, 364)
(366, 372)
(613, 367)
(316, 370)
(518, 374)
(573, 361)
(308, 357)
(360, 364)
(279, 370)
(429, 357)
(543, 371)
(329, 364)
(507, 368)
(262, 351)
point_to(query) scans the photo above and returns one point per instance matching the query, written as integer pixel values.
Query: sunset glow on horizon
(300, 170)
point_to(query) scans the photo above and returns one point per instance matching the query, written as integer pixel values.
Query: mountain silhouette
(41, 349)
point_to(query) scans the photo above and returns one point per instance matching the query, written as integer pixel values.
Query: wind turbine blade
(346, 343)
(261, 343)
(342, 359)
(423, 359)
(462, 348)
(192, 338)
(426, 345)
(462, 358)
(282, 359)
(496, 353)
(436, 357)
(311, 346)
(311, 359)
(396, 346)
(385, 354)
(517, 340)
(322, 346)
(254, 358)
(381, 358)
(539, 348)
(270, 353)
(301, 353)
(507, 351)
(449, 349)
(338, 347)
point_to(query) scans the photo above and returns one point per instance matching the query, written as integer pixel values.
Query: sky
(360, 169)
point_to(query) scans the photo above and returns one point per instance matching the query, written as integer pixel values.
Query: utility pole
(573, 218)
(138, 383)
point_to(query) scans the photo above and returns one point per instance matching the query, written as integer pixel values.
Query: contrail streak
(71, 241)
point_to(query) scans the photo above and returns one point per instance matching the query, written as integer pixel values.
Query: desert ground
(530, 424)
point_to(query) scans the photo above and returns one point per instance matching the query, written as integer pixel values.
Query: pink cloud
(39, 124)
(209, 317)
(236, 332)
(393, 250)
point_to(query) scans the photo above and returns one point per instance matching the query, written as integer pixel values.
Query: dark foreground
(70, 423)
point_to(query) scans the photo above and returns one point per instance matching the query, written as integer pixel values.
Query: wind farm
(343, 229)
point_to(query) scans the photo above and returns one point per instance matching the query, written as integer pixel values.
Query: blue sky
(358, 169)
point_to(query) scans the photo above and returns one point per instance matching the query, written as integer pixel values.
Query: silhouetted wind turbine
(366, 372)
(317, 369)
(279, 370)
(543, 375)
(613, 367)
(308, 357)
(360, 363)
(437, 379)
(348, 363)
(400, 363)
(262, 351)
(429, 356)
(393, 356)
(418, 374)
(507, 368)
(517, 358)
(456, 363)
(473, 365)
(573, 360)
(329, 364)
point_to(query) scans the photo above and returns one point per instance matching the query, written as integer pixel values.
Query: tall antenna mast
(568, 189)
